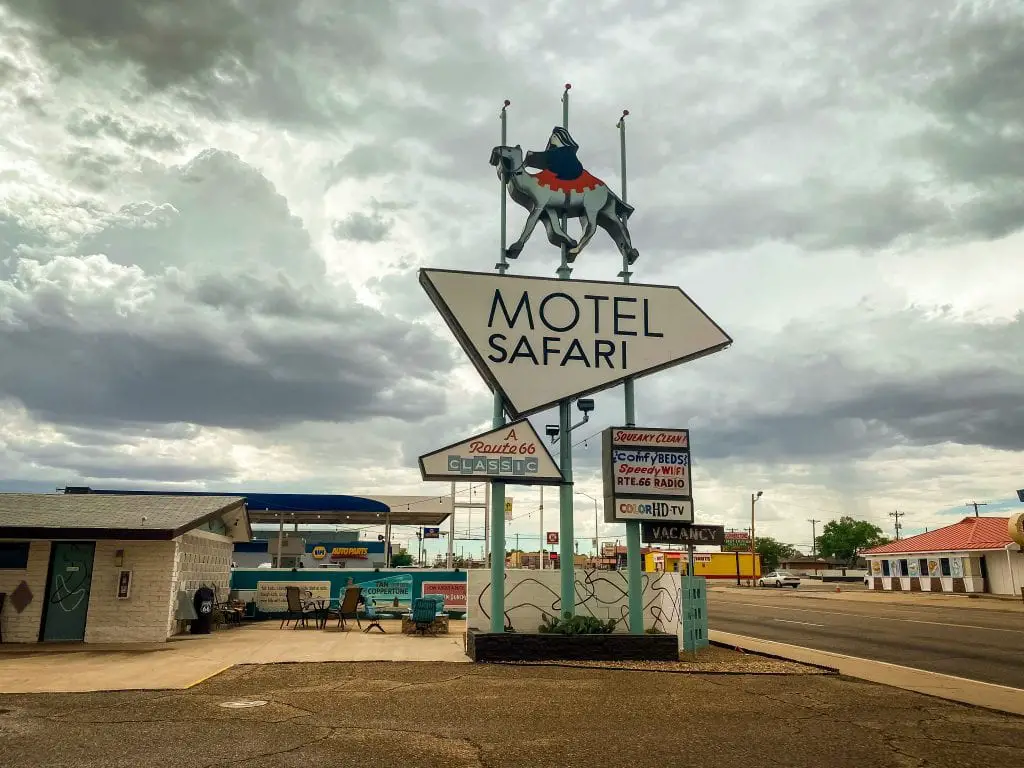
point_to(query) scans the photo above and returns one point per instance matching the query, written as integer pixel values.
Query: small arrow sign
(538, 340)
(512, 454)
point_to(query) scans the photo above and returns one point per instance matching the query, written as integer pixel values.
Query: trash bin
(203, 602)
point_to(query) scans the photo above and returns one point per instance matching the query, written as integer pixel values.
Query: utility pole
(753, 548)
(976, 504)
(814, 537)
(897, 514)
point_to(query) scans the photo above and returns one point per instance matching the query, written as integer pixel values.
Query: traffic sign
(511, 454)
(538, 340)
(552, 537)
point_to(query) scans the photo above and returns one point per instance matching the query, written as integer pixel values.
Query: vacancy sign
(538, 340)
(511, 454)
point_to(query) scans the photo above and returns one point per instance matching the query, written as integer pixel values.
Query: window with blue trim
(14, 555)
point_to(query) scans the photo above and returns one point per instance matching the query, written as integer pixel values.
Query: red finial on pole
(625, 112)
(507, 102)
(568, 86)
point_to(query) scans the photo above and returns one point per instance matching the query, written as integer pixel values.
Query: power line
(814, 536)
(897, 514)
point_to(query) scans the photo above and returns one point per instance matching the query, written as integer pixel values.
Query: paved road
(972, 643)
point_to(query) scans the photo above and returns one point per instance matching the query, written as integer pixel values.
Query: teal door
(67, 593)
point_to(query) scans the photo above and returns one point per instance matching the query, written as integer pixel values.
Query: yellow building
(711, 565)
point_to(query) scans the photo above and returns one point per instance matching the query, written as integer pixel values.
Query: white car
(779, 579)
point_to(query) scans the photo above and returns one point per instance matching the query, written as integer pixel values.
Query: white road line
(807, 623)
(874, 617)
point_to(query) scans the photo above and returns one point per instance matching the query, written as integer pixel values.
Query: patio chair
(424, 611)
(439, 600)
(298, 608)
(370, 614)
(231, 610)
(349, 607)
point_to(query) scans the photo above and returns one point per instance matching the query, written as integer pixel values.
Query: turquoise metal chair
(438, 600)
(424, 611)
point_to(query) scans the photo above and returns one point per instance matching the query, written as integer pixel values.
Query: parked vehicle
(779, 579)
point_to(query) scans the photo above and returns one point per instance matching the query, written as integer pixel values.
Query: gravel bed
(713, 660)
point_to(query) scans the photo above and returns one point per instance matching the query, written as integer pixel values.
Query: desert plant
(576, 625)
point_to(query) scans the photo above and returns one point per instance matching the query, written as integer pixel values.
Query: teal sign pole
(497, 510)
(634, 566)
(566, 527)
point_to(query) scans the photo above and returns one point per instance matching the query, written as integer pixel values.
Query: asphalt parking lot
(443, 714)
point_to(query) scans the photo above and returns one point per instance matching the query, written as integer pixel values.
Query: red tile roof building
(971, 533)
(976, 554)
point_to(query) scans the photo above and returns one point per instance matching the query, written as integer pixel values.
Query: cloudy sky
(212, 213)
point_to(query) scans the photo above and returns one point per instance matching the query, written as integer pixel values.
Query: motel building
(975, 555)
(111, 569)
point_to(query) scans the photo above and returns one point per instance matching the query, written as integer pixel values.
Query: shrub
(576, 625)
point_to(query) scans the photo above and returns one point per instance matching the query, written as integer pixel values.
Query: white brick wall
(142, 617)
(201, 558)
(24, 627)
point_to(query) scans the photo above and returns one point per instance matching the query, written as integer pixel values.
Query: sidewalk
(998, 697)
(187, 660)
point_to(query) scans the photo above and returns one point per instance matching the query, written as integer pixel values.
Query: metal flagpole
(633, 564)
(566, 562)
(498, 489)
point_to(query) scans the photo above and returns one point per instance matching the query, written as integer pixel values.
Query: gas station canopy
(323, 509)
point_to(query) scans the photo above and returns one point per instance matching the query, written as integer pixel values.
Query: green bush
(576, 625)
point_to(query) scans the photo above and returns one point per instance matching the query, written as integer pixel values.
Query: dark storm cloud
(362, 227)
(815, 214)
(196, 365)
(123, 128)
(170, 40)
(798, 400)
(286, 62)
(68, 463)
(90, 168)
(366, 160)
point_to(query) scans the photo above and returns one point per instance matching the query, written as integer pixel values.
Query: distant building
(812, 566)
(975, 555)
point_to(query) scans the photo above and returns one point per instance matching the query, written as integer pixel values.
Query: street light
(753, 546)
(597, 541)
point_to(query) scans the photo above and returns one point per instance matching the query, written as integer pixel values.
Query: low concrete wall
(516, 646)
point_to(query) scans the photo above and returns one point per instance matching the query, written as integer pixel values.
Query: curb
(733, 647)
(975, 693)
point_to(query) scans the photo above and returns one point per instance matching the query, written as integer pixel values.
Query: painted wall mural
(530, 595)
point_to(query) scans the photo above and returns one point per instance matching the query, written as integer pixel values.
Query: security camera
(551, 430)
(585, 404)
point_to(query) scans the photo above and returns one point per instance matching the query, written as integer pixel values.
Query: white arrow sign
(512, 454)
(538, 340)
